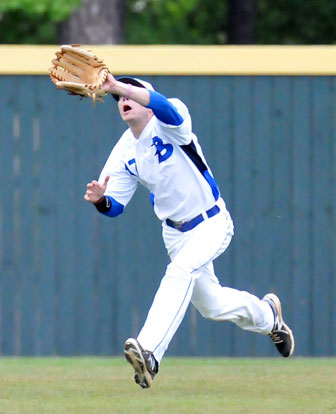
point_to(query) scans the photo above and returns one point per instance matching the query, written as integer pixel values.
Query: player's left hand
(110, 83)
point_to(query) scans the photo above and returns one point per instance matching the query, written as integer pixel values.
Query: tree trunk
(94, 22)
(242, 15)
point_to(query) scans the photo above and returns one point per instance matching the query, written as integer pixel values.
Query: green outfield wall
(74, 282)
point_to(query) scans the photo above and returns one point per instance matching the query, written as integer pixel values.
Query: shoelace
(275, 337)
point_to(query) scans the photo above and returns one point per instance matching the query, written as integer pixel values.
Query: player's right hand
(95, 191)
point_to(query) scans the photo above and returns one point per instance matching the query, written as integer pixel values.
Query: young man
(160, 151)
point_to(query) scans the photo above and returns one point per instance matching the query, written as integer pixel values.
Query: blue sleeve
(109, 207)
(164, 110)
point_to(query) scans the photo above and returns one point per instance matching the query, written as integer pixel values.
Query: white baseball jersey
(167, 160)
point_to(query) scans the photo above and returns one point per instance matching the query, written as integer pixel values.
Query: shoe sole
(133, 355)
(272, 297)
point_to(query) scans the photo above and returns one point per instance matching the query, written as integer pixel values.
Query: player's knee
(207, 310)
(209, 313)
(176, 269)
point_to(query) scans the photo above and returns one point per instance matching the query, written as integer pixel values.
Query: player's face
(131, 111)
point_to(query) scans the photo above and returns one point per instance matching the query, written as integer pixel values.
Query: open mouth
(126, 108)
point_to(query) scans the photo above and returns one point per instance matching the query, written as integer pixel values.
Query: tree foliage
(56, 10)
(296, 22)
(206, 22)
(178, 21)
(32, 21)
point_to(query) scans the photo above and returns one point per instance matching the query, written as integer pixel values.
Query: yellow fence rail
(182, 60)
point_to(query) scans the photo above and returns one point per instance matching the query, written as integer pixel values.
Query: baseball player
(160, 151)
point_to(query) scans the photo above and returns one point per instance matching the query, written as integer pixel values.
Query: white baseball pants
(190, 277)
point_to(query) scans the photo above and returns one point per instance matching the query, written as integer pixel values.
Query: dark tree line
(168, 21)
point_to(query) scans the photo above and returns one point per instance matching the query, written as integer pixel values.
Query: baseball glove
(79, 72)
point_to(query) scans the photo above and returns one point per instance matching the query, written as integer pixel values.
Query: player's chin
(126, 117)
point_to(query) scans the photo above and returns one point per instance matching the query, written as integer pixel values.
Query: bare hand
(95, 191)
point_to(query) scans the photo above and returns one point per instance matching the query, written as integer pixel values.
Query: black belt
(189, 225)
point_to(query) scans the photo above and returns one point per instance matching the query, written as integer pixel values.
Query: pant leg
(189, 251)
(167, 311)
(220, 303)
(190, 277)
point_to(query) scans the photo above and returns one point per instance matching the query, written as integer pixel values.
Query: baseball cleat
(144, 364)
(281, 334)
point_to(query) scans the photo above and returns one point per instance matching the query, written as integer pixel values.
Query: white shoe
(281, 334)
(144, 364)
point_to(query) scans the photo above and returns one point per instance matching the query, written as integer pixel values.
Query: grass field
(193, 385)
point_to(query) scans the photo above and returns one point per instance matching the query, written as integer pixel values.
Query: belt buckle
(178, 224)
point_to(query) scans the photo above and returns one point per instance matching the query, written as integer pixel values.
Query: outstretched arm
(139, 95)
(164, 110)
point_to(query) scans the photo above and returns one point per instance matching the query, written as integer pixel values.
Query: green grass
(192, 385)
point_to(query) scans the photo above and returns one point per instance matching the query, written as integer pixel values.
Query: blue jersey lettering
(163, 151)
